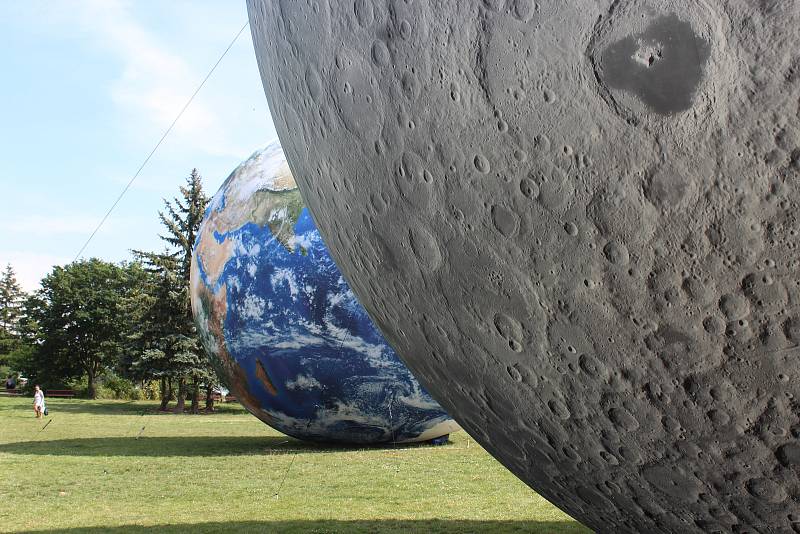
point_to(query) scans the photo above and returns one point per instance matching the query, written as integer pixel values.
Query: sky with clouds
(89, 87)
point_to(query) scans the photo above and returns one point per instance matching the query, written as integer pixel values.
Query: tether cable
(289, 467)
(163, 137)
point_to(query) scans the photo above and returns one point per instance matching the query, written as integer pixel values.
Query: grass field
(87, 472)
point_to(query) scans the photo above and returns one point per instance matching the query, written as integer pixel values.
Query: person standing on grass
(11, 383)
(38, 401)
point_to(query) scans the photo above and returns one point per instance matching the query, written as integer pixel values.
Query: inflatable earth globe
(284, 329)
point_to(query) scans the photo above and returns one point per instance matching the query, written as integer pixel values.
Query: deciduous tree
(80, 320)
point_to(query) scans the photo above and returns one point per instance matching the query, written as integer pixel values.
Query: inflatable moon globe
(283, 328)
(577, 223)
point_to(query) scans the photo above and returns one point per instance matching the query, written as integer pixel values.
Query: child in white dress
(38, 402)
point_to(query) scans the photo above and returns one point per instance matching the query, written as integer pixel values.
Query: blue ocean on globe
(283, 327)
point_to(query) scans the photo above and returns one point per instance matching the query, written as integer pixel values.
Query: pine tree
(172, 348)
(11, 297)
(182, 220)
(160, 341)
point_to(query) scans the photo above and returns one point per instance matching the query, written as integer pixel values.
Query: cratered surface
(577, 223)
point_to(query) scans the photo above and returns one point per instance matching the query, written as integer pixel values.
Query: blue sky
(88, 89)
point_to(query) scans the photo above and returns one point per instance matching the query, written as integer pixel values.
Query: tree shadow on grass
(111, 407)
(393, 526)
(104, 407)
(181, 446)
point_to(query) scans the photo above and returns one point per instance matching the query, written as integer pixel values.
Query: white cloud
(48, 225)
(303, 383)
(252, 307)
(154, 84)
(284, 276)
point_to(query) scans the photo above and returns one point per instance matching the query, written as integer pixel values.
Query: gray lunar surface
(576, 221)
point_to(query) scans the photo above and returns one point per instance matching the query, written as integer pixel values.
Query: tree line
(127, 324)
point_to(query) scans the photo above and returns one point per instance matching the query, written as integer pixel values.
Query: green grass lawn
(87, 472)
